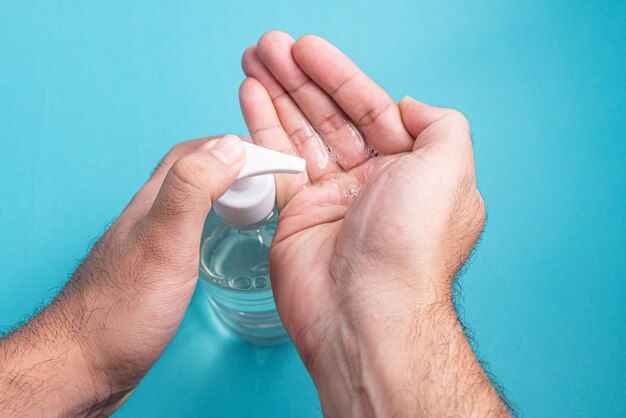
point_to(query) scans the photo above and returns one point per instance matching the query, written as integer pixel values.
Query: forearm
(404, 363)
(43, 371)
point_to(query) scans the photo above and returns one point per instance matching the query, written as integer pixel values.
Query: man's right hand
(369, 243)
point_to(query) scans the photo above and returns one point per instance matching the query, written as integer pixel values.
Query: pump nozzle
(261, 160)
(251, 198)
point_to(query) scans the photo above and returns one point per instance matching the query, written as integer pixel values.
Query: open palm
(379, 193)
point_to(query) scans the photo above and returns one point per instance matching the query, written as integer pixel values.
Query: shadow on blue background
(207, 371)
(92, 95)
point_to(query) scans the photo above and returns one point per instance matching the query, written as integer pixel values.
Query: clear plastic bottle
(234, 253)
(234, 272)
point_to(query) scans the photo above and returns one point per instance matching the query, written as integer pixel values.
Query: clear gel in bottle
(234, 254)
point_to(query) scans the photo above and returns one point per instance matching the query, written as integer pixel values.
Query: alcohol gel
(234, 254)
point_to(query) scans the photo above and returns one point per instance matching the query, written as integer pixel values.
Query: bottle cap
(252, 196)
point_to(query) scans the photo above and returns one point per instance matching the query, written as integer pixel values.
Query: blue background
(92, 94)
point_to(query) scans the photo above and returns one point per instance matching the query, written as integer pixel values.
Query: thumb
(192, 183)
(430, 124)
(417, 116)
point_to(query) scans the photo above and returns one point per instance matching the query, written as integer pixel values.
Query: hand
(367, 247)
(92, 345)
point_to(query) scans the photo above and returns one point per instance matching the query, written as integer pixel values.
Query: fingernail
(228, 149)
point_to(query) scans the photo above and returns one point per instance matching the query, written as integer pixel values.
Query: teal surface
(92, 94)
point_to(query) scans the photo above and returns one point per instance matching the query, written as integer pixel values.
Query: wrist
(100, 342)
(399, 352)
(373, 361)
(43, 368)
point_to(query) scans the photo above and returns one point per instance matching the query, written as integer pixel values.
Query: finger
(434, 125)
(140, 204)
(442, 134)
(339, 133)
(192, 183)
(176, 152)
(364, 101)
(305, 139)
(266, 130)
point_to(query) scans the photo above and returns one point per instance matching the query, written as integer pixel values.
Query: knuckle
(175, 203)
(185, 179)
(162, 165)
(188, 173)
(165, 162)
(173, 153)
(173, 150)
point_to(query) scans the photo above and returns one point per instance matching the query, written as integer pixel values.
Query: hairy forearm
(43, 371)
(404, 363)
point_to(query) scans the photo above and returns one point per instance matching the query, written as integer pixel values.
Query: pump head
(251, 198)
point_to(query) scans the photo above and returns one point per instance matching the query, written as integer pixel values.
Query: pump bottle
(234, 253)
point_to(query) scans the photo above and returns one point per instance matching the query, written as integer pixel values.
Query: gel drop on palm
(234, 255)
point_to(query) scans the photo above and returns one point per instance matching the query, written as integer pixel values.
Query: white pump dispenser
(235, 250)
(251, 198)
